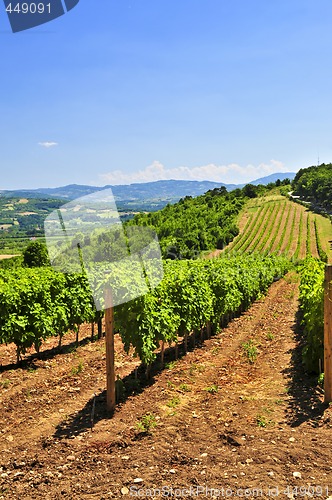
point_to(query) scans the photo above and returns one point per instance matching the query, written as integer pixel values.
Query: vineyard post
(109, 339)
(328, 335)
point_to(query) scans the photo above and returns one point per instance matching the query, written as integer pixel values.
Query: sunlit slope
(274, 224)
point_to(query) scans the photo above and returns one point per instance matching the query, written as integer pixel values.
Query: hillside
(274, 224)
(314, 184)
(192, 225)
(210, 221)
(165, 190)
(22, 213)
(158, 190)
(22, 219)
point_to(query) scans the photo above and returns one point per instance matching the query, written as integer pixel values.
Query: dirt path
(221, 421)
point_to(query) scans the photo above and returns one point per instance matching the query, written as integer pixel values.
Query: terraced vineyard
(274, 224)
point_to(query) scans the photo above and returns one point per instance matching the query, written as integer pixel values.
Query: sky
(119, 91)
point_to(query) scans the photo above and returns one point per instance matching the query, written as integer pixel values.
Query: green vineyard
(194, 295)
(312, 306)
(276, 225)
(273, 224)
(37, 304)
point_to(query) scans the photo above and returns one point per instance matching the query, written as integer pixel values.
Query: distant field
(273, 224)
(2, 257)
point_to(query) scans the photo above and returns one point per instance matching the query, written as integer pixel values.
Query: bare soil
(219, 420)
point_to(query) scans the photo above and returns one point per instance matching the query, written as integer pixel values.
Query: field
(222, 416)
(22, 219)
(273, 224)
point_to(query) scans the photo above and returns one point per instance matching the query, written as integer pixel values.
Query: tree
(250, 190)
(36, 255)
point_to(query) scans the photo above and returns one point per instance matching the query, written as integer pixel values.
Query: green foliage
(191, 294)
(184, 388)
(263, 421)
(315, 184)
(146, 423)
(77, 369)
(320, 380)
(36, 255)
(40, 302)
(250, 350)
(250, 190)
(172, 403)
(170, 365)
(192, 225)
(12, 263)
(5, 383)
(213, 389)
(312, 306)
(25, 218)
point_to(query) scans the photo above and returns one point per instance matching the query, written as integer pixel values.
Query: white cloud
(47, 144)
(228, 174)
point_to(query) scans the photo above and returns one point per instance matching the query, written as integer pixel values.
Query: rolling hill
(274, 224)
(167, 190)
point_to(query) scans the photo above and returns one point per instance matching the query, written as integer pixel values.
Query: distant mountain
(161, 190)
(169, 190)
(274, 178)
(69, 192)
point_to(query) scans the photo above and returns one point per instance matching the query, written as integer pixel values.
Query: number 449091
(26, 8)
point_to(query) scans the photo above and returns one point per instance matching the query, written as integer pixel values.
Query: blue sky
(139, 90)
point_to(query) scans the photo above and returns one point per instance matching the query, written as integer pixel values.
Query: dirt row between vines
(220, 421)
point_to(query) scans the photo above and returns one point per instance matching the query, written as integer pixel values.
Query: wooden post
(100, 328)
(208, 329)
(109, 339)
(162, 353)
(328, 335)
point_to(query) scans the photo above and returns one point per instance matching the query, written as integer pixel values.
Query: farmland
(216, 418)
(228, 403)
(274, 224)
